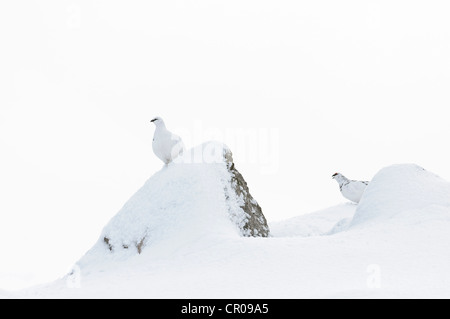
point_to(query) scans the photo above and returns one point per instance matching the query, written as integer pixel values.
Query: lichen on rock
(244, 210)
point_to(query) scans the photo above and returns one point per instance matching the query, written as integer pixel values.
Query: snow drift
(198, 196)
(402, 192)
(323, 222)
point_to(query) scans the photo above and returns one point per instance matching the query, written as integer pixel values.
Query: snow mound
(402, 192)
(196, 198)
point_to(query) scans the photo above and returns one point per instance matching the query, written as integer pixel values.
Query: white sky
(317, 86)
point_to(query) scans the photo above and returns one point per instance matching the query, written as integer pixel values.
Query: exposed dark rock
(250, 220)
(106, 240)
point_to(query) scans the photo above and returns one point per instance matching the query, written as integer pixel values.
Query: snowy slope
(396, 246)
(314, 224)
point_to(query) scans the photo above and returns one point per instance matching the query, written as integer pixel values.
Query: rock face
(199, 195)
(250, 220)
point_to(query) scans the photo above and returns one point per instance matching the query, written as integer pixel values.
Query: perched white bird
(350, 189)
(166, 145)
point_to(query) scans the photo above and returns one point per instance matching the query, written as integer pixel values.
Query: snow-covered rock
(402, 192)
(198, 196)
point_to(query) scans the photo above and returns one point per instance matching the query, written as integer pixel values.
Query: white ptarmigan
(350, 189)
(166, 145)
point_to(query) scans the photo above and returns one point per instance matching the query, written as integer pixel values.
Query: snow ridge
(400, 191)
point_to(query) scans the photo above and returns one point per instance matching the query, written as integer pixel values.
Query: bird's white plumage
(166, 145)
(350, 189)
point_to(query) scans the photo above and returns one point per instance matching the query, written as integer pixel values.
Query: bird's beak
(152, 120)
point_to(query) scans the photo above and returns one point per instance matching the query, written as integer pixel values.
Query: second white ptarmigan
(166, 145)
(350, 189)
